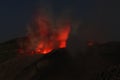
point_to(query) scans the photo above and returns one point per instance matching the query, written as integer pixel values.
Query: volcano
(35, 66)
(45, 34)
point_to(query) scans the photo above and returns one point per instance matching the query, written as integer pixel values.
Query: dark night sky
(100, 17)
(14, 15)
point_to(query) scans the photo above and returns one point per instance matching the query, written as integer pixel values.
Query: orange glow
(44, 47)
(48, 43)
(47, 36)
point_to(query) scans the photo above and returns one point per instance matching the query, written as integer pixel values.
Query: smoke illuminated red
(52, 39)
(63, 36)
(44, 36)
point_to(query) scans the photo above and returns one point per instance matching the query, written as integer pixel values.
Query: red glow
(63, 36)
(56, 40)
(44, 47)
(46, 37)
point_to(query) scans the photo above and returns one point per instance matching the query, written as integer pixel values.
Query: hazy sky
(100, 17)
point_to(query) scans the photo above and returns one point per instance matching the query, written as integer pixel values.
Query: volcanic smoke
(45, 34)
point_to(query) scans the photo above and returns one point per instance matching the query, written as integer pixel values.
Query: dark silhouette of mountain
(110, 51)
(58, 64)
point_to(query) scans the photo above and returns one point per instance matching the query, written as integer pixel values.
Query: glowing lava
(45, 36)
(53, 40)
